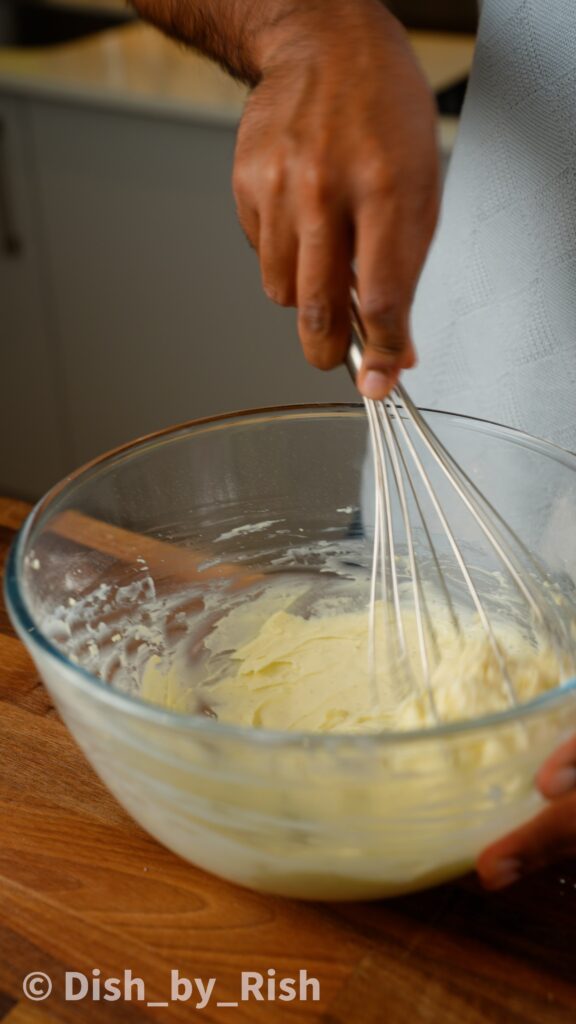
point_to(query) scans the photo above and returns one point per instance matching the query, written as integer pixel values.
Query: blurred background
(129, 298)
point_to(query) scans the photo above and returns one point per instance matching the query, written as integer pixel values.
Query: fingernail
(375, 384)
(562, 782)
(505, 872)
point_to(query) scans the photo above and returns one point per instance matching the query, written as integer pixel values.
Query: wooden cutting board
(82, 887)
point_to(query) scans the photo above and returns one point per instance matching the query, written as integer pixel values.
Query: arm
(227, 31)
(336, 161)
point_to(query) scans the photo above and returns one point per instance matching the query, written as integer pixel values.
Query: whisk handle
(357, 340)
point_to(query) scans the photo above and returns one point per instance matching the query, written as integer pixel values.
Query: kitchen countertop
(82, 887)
(132, 66)
(136, 66)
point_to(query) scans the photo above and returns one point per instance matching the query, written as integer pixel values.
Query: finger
(249, 222)
(549, 837)
(323, 288)
(557, 777)
(385, 287)
(277, 252)
(244, 188)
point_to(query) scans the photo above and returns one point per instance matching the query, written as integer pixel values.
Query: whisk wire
(456, 550)
(435, 558)
(456, 474)
(417, 594)
(400, 438)
(388, 537)
(378, 560)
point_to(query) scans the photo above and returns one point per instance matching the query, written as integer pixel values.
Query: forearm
(238, 34)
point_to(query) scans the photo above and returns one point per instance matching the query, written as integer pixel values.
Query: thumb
(389, 349)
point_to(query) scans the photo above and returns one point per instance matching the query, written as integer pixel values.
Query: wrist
(295, 27)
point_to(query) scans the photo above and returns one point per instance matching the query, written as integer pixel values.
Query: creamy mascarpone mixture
(314, 674)
(344, 821)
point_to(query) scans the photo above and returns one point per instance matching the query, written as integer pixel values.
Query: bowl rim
(91, 685)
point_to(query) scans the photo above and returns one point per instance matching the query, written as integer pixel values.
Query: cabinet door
(31, 428)
(159, 305)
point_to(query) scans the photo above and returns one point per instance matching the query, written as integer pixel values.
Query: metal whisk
(405, 450)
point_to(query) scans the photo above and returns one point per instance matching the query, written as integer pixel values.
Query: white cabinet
(32, 431)
(152, 310)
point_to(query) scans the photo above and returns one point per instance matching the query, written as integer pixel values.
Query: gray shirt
(495, 312)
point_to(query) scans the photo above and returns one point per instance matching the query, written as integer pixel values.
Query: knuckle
(316, 179)
(379, 176)
(242, 180)
(393, 343)
(388, 175)
(323, 329)
(243, 165)
(279, 292)
(380, 314)
(323, 357)
(274, 175)
(251, 176)
(315, 318)
(314, 232)
(386, 326)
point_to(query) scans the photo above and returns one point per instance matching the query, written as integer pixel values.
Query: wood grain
(82, 887)
(162, 558)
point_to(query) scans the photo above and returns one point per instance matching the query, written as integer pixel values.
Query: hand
(337, 160)
(549, 837)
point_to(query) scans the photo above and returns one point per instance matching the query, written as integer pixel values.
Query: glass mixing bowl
(142, 550)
